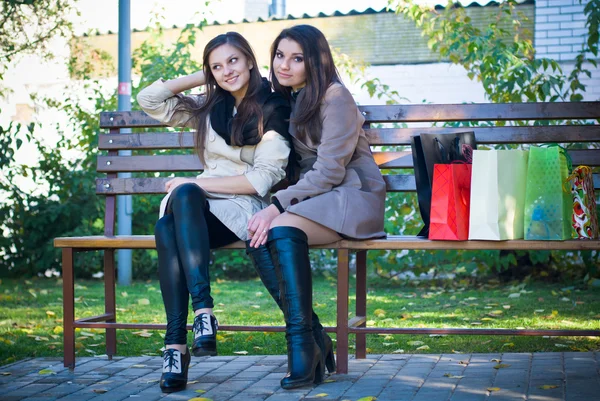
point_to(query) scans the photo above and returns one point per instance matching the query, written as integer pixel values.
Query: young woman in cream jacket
(242, 139)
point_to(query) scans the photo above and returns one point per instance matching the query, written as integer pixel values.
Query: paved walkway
(458, 377)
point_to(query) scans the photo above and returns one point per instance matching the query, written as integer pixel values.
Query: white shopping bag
(498, 184)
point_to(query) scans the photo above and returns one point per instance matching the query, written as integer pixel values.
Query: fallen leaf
(548, 386)
(538, 311)
(369, 398)
(508, 345)
(255, 306)
(398, 351)
(560, 345)
(124, 294)
(328, 381)
(193, 382)
(138, 366)
(50, 313)
(451, 376)
(496, 360)
(320, 395)
(200, 391)
(415, 343)
(423, 347)
(200, 399)
(100, 391)
(5, 373)
(379, 313)
(501, 366)
(463, 363)
(47, 372)
(240, 352)
(515, 295)
(57, 330)
(506, 306)
(143, 333)
(389, 344)
(152, 381)
(144, 301)
(475, 323)
(491, 389)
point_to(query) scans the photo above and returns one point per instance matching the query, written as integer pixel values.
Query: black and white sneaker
(205, 335)
(175, 370)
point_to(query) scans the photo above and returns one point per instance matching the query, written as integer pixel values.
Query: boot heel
(330, 361)
(319, 373)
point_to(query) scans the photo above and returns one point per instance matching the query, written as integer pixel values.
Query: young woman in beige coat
(340, 193)
(242, 140)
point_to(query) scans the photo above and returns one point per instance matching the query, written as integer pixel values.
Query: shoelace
(170, 360)
(201, 324)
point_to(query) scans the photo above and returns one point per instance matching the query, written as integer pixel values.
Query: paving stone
(388, 377)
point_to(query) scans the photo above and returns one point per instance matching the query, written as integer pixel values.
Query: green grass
(31, 317)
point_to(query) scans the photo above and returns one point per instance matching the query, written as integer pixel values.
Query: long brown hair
(200, 108)
(320, 74)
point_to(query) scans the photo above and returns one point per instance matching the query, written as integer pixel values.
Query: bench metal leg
(68, 308)
(361, 301)
(110, 301)
(342, 311)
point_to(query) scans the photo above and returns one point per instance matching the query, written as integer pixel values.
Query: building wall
(559, 28)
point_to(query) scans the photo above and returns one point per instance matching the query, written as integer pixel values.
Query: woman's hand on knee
(175, 182)
(258, 225)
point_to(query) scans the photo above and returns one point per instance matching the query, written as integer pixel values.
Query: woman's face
(231, 69)
(288, 64)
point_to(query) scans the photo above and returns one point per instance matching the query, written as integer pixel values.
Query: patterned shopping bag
(585, 215)
(548, 207)
(450, 194)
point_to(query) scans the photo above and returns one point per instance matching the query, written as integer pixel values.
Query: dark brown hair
(200, 108)
(320, 74)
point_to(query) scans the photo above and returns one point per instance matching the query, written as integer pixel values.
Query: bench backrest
(511, 123)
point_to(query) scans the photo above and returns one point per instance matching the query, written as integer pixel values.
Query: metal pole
(124, 202)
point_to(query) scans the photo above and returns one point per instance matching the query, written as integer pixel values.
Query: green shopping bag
(548, 207)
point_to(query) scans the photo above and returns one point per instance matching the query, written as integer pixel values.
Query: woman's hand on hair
(258, 226)
(175, 182)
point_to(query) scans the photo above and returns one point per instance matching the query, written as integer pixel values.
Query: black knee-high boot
(263, 263)
(289, 251)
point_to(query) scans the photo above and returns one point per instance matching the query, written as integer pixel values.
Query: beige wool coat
(340, 185)
(263, 164)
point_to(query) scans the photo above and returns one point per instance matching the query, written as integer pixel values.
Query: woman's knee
(163, 231)
(188, 194)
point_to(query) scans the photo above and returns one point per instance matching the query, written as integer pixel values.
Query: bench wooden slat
(418, 113)
(392, 242)
(491, 135)
(156, 185)
(376, 136)
(403, 242)
(147, 141)
(481, 112)
(155, 163)
(135, 242)
(178, 163)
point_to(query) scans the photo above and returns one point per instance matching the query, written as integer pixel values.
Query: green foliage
(27, 27)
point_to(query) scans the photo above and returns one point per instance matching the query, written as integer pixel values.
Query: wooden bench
(110, 186)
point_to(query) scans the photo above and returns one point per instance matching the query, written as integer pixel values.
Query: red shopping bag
(450, 200)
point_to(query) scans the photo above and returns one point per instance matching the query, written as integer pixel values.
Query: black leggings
(184, 237)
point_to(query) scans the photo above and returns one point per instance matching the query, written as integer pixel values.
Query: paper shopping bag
(449, 218)
(429, 149)
(498, 194)
(548, 206)
(585, 215)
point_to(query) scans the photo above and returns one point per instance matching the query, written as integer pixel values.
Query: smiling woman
(241, 137)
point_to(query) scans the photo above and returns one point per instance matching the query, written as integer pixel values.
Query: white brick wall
(559, 28)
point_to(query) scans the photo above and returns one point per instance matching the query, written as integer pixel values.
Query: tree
(28, 26)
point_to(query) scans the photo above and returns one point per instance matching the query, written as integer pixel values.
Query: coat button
(294, 201)
(213, 165)
(211, 138)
